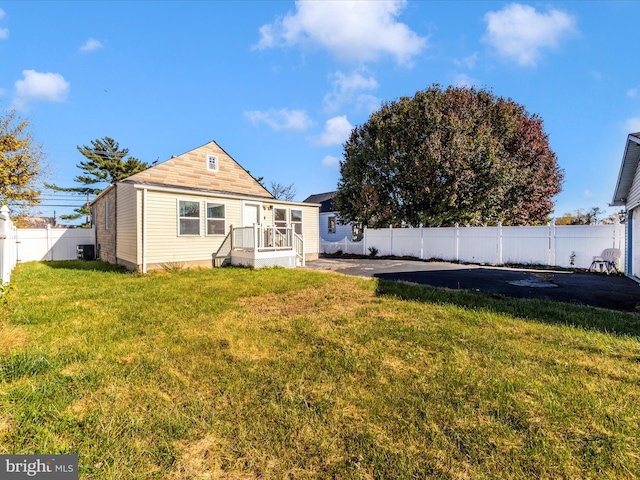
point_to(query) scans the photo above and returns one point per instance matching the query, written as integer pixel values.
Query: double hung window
(215, 219)
(188, 217)
(280, 218)
(296, 221)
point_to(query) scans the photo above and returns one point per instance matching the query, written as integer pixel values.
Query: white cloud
(336, 132)
(464, 80)
(587, 194)
(346, 90)
(49, 87)
(467, 62)
(634, 92)
(518, 32)
(352, 30)
(90, 45)
(367, 103)
(283, 119)
(632, 125)
(331, 162)
(4, 32)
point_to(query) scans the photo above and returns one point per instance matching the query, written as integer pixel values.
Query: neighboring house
(627, 194)
(330, 229)
(201, 208)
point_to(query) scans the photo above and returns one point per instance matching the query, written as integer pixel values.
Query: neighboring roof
(628, 169)
(324, 199)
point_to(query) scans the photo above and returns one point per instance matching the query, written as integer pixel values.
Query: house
(331, 230)
(201, 208)
(627, 194)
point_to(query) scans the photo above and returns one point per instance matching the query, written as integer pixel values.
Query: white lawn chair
(607, 261)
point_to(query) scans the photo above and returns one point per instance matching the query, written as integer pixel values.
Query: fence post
(391, 240)
(421, 242)
(499, 250)
(552, 243)
(5, 262)
(456, 241)
(364, 240)
(49, 244)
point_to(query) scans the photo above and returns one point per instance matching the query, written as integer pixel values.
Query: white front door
(250, 214)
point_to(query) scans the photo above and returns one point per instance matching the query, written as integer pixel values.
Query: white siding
(310, 222)
(127, 211)
(635, 242)
(341, 230)
(164, 245)
(634, 192)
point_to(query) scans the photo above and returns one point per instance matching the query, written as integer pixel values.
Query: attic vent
(212, 163)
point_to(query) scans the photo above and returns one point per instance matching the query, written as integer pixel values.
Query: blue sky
(280, 84)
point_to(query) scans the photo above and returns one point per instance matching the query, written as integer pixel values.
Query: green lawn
(242, 374)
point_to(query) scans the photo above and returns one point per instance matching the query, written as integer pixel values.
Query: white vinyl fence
(552, 245)
(29, 244)
(8, 256)
(52, 243)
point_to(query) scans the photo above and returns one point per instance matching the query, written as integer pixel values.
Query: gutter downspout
(144, 230)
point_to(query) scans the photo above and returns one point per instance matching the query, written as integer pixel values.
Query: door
(250, 214)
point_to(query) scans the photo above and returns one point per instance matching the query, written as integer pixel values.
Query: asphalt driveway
(615, 292)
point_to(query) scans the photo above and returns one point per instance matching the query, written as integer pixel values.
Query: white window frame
(212, 159)
(281, 223)
(292, 223)
(331, 219)
(224, 218)
(180, 234)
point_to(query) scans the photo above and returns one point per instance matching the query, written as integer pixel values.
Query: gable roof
(189, 170)
(324, 199)
(628, 169)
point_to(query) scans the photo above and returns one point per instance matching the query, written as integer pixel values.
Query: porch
(260, 246)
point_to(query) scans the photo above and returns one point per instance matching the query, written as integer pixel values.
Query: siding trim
(233, 196)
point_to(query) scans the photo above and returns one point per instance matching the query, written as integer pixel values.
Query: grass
(242, 374)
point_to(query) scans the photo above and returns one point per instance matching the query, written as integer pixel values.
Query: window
(188, 218)
(296, 221)
(215, 219)
(280, 218)
(331, 225)
(356, 233)
(212, 163)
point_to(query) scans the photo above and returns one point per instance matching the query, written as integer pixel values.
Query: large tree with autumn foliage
(20, 163)
(446, 156)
